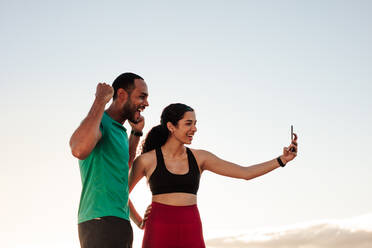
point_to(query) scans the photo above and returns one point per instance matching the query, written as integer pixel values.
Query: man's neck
(115, 113)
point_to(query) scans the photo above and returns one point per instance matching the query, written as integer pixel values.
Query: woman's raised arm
(211, 162)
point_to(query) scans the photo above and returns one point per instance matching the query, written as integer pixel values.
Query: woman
(173, 172)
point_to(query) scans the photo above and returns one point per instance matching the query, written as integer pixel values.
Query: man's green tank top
(104, 174)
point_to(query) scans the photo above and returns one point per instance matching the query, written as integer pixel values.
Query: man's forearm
(133, 143)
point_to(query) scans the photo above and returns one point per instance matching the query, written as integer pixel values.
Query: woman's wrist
(141, 224)
(285, 161)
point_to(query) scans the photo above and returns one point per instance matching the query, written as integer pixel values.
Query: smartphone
(292, 137)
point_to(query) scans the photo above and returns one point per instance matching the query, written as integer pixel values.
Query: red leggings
(173, 227)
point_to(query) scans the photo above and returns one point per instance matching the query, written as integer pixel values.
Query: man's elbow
(79, 155)
(130, 161)
(79, 152)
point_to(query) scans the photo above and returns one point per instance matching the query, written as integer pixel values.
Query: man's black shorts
(106, 232)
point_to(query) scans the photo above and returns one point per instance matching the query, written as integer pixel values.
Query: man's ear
(122, 95)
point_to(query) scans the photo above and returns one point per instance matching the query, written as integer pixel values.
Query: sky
(250, 69)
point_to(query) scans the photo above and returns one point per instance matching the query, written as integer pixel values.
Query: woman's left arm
(225, 168)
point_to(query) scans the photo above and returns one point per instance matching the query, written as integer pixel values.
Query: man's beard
(129, 112)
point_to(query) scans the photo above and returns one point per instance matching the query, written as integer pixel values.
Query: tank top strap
(193, 165)
(160, 164)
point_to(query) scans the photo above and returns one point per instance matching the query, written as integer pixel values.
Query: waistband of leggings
(162, 205)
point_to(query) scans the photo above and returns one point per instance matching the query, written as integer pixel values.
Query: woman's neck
(173, 148)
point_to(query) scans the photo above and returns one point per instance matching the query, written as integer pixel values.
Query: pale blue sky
(250, 69)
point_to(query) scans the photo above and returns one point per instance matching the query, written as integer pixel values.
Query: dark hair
(159, 134)
(124, 81)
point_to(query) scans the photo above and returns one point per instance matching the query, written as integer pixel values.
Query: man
(105, 155)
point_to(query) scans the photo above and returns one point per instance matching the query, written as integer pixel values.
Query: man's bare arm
(86, 136)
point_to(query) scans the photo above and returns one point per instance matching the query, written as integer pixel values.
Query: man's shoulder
(104, 124)
(106, 120)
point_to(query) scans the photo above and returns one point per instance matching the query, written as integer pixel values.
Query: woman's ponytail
(157, 137)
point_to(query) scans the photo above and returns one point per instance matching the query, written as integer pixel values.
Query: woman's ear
(170, 126)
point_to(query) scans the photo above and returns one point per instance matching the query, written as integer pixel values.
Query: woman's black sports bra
(163, 181)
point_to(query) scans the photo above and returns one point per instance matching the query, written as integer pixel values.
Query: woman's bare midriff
(175, 199)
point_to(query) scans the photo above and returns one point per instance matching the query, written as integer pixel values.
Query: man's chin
(135, 118)
(135, 121)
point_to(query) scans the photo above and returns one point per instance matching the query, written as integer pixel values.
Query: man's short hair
(125, 81)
